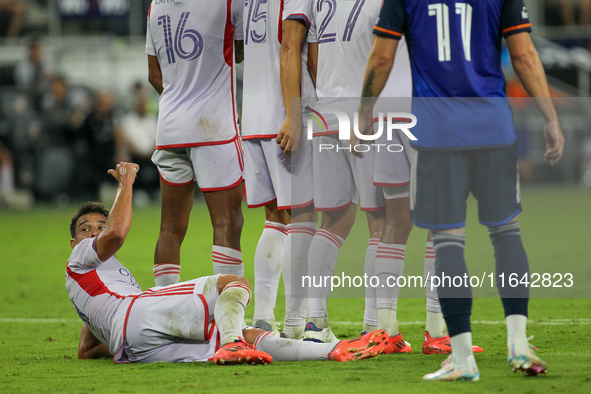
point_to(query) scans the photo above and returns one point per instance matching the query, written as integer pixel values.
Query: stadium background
(97, 48)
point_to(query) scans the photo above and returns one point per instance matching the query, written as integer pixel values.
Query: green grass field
(39, 328)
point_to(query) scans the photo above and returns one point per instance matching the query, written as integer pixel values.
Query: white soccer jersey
(100, 292)
(262, 104)
(194, 43)
(344, 33)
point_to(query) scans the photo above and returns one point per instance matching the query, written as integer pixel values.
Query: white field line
(547, 322)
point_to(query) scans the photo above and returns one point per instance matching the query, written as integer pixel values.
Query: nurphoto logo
(393, 121)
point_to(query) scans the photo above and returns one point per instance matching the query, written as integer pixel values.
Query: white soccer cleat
(522, 358)
(315, 334)
(450, 371)
(271, 326)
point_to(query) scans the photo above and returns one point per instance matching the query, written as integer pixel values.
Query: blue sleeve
(514, 18)
(390, 24)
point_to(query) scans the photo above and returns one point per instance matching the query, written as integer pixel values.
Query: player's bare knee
(225, 280)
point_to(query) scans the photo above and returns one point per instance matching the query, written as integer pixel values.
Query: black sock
(456, 301)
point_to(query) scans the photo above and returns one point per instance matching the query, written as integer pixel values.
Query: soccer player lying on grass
(197, 320)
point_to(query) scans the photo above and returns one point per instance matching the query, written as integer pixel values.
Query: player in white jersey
(190, 47)
(173, 323)
(267, 170)
(339, 38)
(296, 88)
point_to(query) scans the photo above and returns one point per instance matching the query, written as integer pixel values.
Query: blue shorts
(441, 181)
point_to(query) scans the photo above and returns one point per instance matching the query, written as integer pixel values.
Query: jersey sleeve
(237, 12)
(390, 24)
(298, 10)
(312, 34)
(514, 18)
(84, 257)
(150, 49)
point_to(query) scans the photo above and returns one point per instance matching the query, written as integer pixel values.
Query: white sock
(229, 311)
(227, 261)
(268, 259)
(282, 349)
(389, 266)
(428, 274)
(370, 317)
(516, 331)
(387, 321)
(461, 347)
(436, 324)
(322, 259)
(295, 266)
(166, 274)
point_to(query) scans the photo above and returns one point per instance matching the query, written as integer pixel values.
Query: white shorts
(392, 168)
(267, 173)
(213, 167)
(302, 175)
(172, 324)
(341, 178)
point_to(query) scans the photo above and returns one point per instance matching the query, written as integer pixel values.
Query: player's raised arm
(527, 65)
(379, 65)
(293, 33)
(119, 221)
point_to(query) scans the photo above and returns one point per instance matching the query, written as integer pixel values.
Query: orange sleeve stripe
(518, 27)
(387, 31)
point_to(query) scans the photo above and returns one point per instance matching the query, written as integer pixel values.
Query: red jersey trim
(217, 189)
(196, 144)
(333, 208)
(306, 204)
(91, 283)
(260, 205)
(391, 184)
(373, 209)
(175, 184)
(258, 136)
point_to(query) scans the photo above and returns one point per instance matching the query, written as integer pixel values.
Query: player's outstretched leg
(282, 349)
(229, 317)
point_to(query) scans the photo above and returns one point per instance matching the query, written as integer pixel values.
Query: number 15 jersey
(194, 44)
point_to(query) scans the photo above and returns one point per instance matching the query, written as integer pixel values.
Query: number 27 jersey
(194, 43)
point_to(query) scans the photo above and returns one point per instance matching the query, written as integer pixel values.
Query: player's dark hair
(85, 209)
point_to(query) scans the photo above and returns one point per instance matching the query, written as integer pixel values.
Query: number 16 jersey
(194, 44)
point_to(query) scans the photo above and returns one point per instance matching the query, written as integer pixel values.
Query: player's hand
(125, 172)
(554, 142)
(284, 136)
(289, 136)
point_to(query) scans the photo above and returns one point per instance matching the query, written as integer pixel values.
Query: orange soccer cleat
(397, 344)
(368, 345)
(441, 345)
(240, 352)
